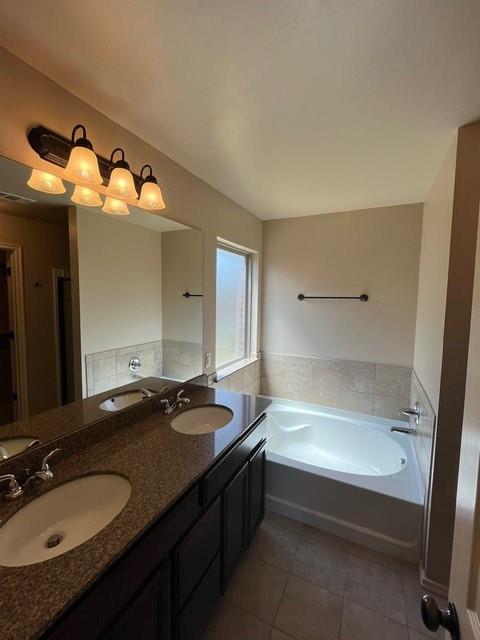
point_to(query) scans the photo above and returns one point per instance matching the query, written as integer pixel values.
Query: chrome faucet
(149, 394)
(170, 404)
(407, 430)
(15, 489)
(413, 412)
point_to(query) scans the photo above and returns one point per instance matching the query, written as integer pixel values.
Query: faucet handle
(45, 466)
(181, 398)
(14, 489)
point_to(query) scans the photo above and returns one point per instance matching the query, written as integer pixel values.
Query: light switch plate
(208, 359)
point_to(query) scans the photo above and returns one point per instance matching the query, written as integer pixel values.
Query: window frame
(247, 347)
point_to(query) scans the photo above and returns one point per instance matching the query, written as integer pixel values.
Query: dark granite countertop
(56, 422)
(160, 464)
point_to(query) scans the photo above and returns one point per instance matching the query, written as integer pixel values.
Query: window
(233, 306)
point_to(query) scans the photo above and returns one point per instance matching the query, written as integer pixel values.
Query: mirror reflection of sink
(12, 446)
(204, 419)
(126, 399)
(62, 519)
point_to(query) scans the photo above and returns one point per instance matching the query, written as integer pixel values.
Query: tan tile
(308, 612)
(279, 635)
(322, 564)
(105, 384)
(360, 552)
(358, 376)
(275, 545)
(413, 635)
(386, 407)
(232, 623)
(257, 587)
(359, 623)
(393, 381)
(413, 596)
(356, 401)
(277, 521)
(104, 368)
(376, 588)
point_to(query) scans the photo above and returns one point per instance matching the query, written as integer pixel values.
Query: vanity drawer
(195, 553)
(191, 623)
(214, 480)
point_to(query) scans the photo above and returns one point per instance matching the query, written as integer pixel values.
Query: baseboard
(431, 585)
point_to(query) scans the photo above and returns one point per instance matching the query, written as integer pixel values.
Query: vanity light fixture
(46, 182)
(115, 207)
(86, 197)
(151, 194)
(121, 184)
(82, 164)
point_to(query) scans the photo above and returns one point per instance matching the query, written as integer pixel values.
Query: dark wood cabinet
(167, 585)
(256, 489)
(235, 522)
(148, 616)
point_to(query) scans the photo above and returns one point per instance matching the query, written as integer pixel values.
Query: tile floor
(298, 583)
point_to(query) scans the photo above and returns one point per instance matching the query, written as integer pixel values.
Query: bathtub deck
(297, 582)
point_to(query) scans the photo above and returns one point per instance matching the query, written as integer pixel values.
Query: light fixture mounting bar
(54, 148)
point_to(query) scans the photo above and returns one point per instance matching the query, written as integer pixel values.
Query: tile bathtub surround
(168, 358)
(245, 379)
(109, 369)
(182, 360)
(299, 583)
(425, 429)
(365, 387)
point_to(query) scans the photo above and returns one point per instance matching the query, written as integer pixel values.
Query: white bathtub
(346, 473)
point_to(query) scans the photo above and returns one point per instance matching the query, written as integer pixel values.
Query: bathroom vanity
(158, 569)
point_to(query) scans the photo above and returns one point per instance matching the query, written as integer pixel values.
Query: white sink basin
(62, 519)
(202, 419)
(12, 446)
(124, 400)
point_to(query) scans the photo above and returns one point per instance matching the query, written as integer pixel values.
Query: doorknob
(434, 617)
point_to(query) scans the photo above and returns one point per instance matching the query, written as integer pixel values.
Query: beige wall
(433, 275)
(182, 270)
(120, 282)
(44, 247)
(29, 98)
(374, 251)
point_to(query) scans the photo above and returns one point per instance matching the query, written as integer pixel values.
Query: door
(7, 391)
(148, 616)
(235, 516)
(256, 489)
(465, 573)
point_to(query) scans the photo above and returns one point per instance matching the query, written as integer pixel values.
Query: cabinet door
(256, 489)
(235, 521)
(148, 616)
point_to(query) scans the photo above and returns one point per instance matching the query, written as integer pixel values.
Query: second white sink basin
(126, 399)
(203, 419)
(62, 519)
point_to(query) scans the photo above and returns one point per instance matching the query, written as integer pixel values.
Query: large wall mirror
(90, 301)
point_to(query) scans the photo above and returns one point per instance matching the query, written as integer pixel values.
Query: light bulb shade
(82, 166)
(86, 197)
(121, 184)
(151, 197)
(46, 182)
(115, 207)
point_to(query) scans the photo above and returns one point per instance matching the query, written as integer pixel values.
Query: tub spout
(408, 430)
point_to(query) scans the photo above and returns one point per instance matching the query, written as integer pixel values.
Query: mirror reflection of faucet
(134, 364)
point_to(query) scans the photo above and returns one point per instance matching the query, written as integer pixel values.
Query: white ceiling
(290, 107)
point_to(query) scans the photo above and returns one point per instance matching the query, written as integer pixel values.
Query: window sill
(233, 368)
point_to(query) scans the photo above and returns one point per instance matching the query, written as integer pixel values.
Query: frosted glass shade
(86, 197)
(46, 182)
(83, 166)
(151, 197)
(121, 184)
(115, 207)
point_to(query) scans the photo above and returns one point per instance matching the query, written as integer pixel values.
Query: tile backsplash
(425, 435)
(365, 387)
(162, 358)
